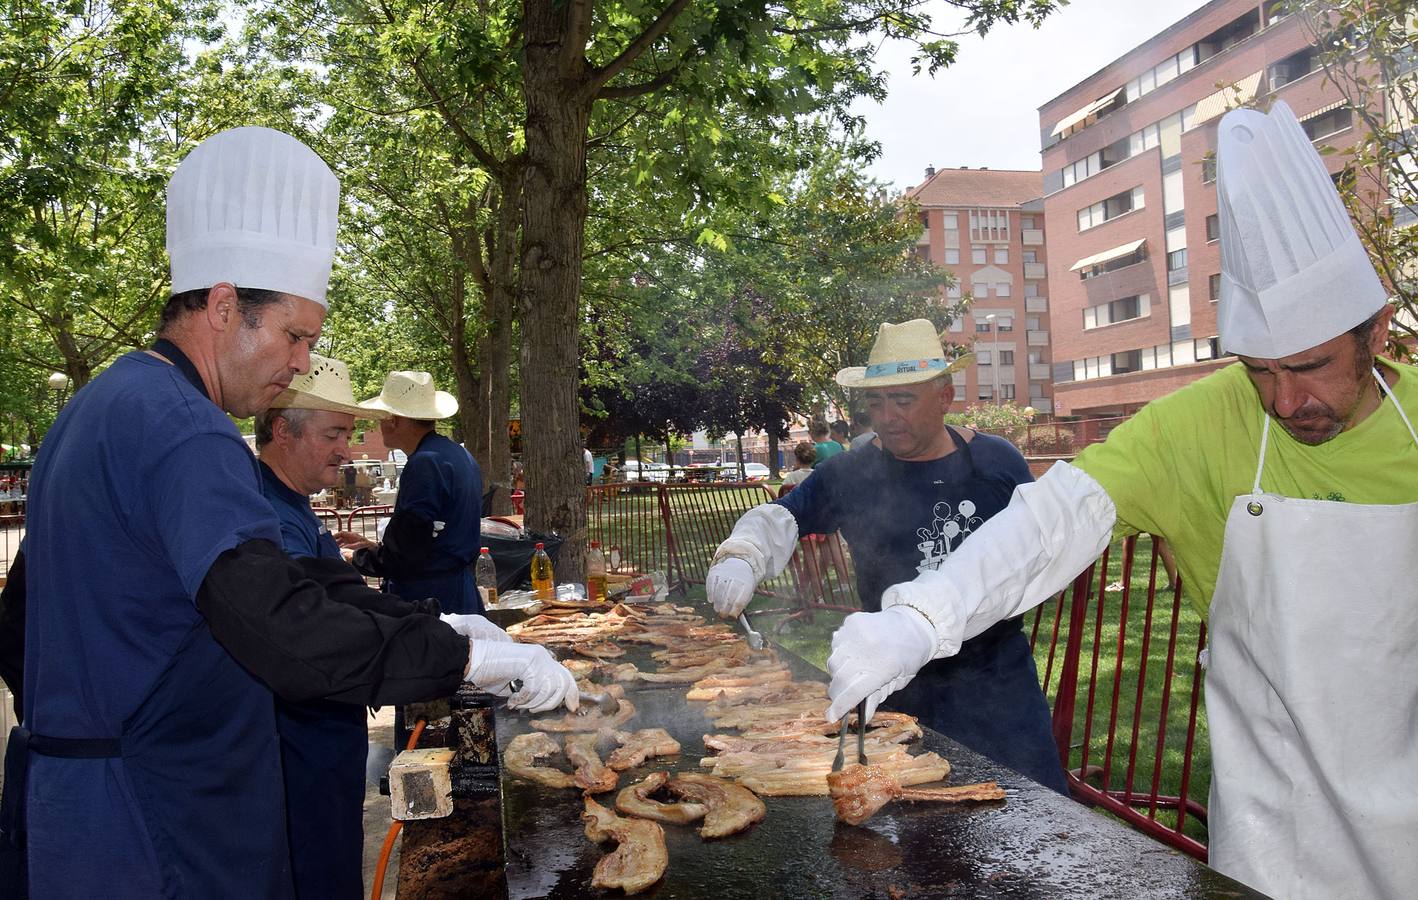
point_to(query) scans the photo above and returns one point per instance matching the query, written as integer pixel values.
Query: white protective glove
(546, 683)
(475, 627)
(875, 654)
(730, 585)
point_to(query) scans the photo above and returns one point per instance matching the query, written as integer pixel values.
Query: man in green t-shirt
(1287, 484)
(824, 445)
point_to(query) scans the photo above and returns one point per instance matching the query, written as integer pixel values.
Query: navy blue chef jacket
(153, 762)
(432, 538)
(324, 743)
(901, 518)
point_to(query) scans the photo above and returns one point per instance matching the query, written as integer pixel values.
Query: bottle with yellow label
(543, 579)
(595, 573)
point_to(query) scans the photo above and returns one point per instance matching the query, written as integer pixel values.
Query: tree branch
(637, 47)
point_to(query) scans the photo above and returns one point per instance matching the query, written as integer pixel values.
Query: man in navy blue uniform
(160, 612)
(904, 502)
(434, 533)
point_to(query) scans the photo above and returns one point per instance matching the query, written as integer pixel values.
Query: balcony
(924, 240)
(1035, 270)
(1038, 339)
(1036, 304)
(1032, 237)
(1040, 372)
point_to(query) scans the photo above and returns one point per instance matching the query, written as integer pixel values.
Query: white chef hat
(254, 207)
(1293, 272)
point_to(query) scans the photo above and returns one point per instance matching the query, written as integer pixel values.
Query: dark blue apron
(201, 762)
(455, 591)
(987, 696)
(324, 745)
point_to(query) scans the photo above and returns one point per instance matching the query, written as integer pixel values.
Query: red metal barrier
(1128, 704)
(12, 532)
(330, 518)
(365, 520)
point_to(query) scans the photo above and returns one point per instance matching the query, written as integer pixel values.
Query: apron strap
(1383, 386)
(1264, 440)
(962, 444)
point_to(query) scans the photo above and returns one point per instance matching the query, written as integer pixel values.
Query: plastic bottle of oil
(543, 580)
(595, 573)
(485, 574)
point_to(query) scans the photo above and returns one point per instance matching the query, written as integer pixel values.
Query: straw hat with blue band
(909, 353)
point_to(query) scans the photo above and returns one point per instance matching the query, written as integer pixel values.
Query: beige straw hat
(412, 395)
(326, 386)
(908, 353)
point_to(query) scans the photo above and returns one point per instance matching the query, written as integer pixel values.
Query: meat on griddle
(592, 775)
(639, 859)
(636, 800)
(522, 754)
(591, 720)
(732, 808)
(859, 791)
(638, 746)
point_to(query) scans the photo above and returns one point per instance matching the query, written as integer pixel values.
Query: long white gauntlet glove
(759, 547)
(475, 627)
(876, 654)
(730, 585)
(546, 683)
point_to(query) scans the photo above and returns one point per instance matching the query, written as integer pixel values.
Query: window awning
(1315, 114)
(1074, 118)
(1229, 97)
(1107, 255)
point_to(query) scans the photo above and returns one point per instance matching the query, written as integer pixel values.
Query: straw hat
(1293, 271)
(326, 386)
(254, 207)
(908, 353)
(412, 395)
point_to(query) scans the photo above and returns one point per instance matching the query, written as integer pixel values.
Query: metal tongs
(755, 640)
(861, 738)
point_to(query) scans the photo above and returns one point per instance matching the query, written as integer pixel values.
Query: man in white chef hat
(164, 612)
(1286, 484)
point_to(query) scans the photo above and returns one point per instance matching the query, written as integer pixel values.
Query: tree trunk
(738, 443)
(502, 309)
(556, 89)
(773, 472)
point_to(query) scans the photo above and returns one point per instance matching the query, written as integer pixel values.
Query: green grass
(701, 519)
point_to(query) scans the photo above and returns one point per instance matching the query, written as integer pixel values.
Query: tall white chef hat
(1293, 272)
(254, 207)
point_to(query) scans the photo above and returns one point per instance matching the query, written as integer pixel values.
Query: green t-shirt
(1175, 467)
(825, 451)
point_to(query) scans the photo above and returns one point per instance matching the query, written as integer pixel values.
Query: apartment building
(986, 226)
(1129, 197)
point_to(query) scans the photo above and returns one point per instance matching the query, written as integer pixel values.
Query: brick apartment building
(986, 226)
(1130, 197)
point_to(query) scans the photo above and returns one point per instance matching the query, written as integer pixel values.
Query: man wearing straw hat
(906, 502)
(434, 533)
(1286, 485)
(163, 612)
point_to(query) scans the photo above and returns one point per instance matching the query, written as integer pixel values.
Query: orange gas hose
(378, 890)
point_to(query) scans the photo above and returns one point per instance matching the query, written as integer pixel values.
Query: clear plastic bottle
(595, 573)
(543, 579)
(485, 574)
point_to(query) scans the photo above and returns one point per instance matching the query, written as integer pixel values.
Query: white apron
(1312, 696)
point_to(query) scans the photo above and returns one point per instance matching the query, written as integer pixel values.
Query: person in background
(839, 434)
(433, 535)
(1287, 484)
(159, 611)
(826, 447)
(904, 507)
(861, 429)
(804, 455)
(590, 464)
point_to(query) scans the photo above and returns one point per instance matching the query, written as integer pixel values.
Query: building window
(1293, 67)
(1006, 357)
(983, 357)
(1121, 310)
(1004, 323)
(979, 290)
(1129, 361)
(1001, 256)
(1208, 167)
(1026, 222)
(977, 256)
(1006, 391)
(1113, 265)
(981, 326)
(1213, 227)
(954, 291)
(1031, 256)
(952, 257)
(1214, 286)
(925, 219)
(1111, 208)
(990, 225)
(1031, 288)
(984, 393)
(1002, 289)
(1321, 126)
(1176, 260)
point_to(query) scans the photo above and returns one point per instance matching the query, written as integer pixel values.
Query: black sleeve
(283, 627)
(404, 552)
(12, 632)
(344, 585)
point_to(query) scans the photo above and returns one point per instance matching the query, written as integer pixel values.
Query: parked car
(638, 470)
(751, 471)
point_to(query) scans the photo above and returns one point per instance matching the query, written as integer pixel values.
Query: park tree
(1368, 49)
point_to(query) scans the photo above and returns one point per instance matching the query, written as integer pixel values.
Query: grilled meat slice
(638, 746)
(732, 808)
(636, 801)
(589, 721)
(859, 791)
(591, 774)
(522, 754)
(639, 860)
(600, 650)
